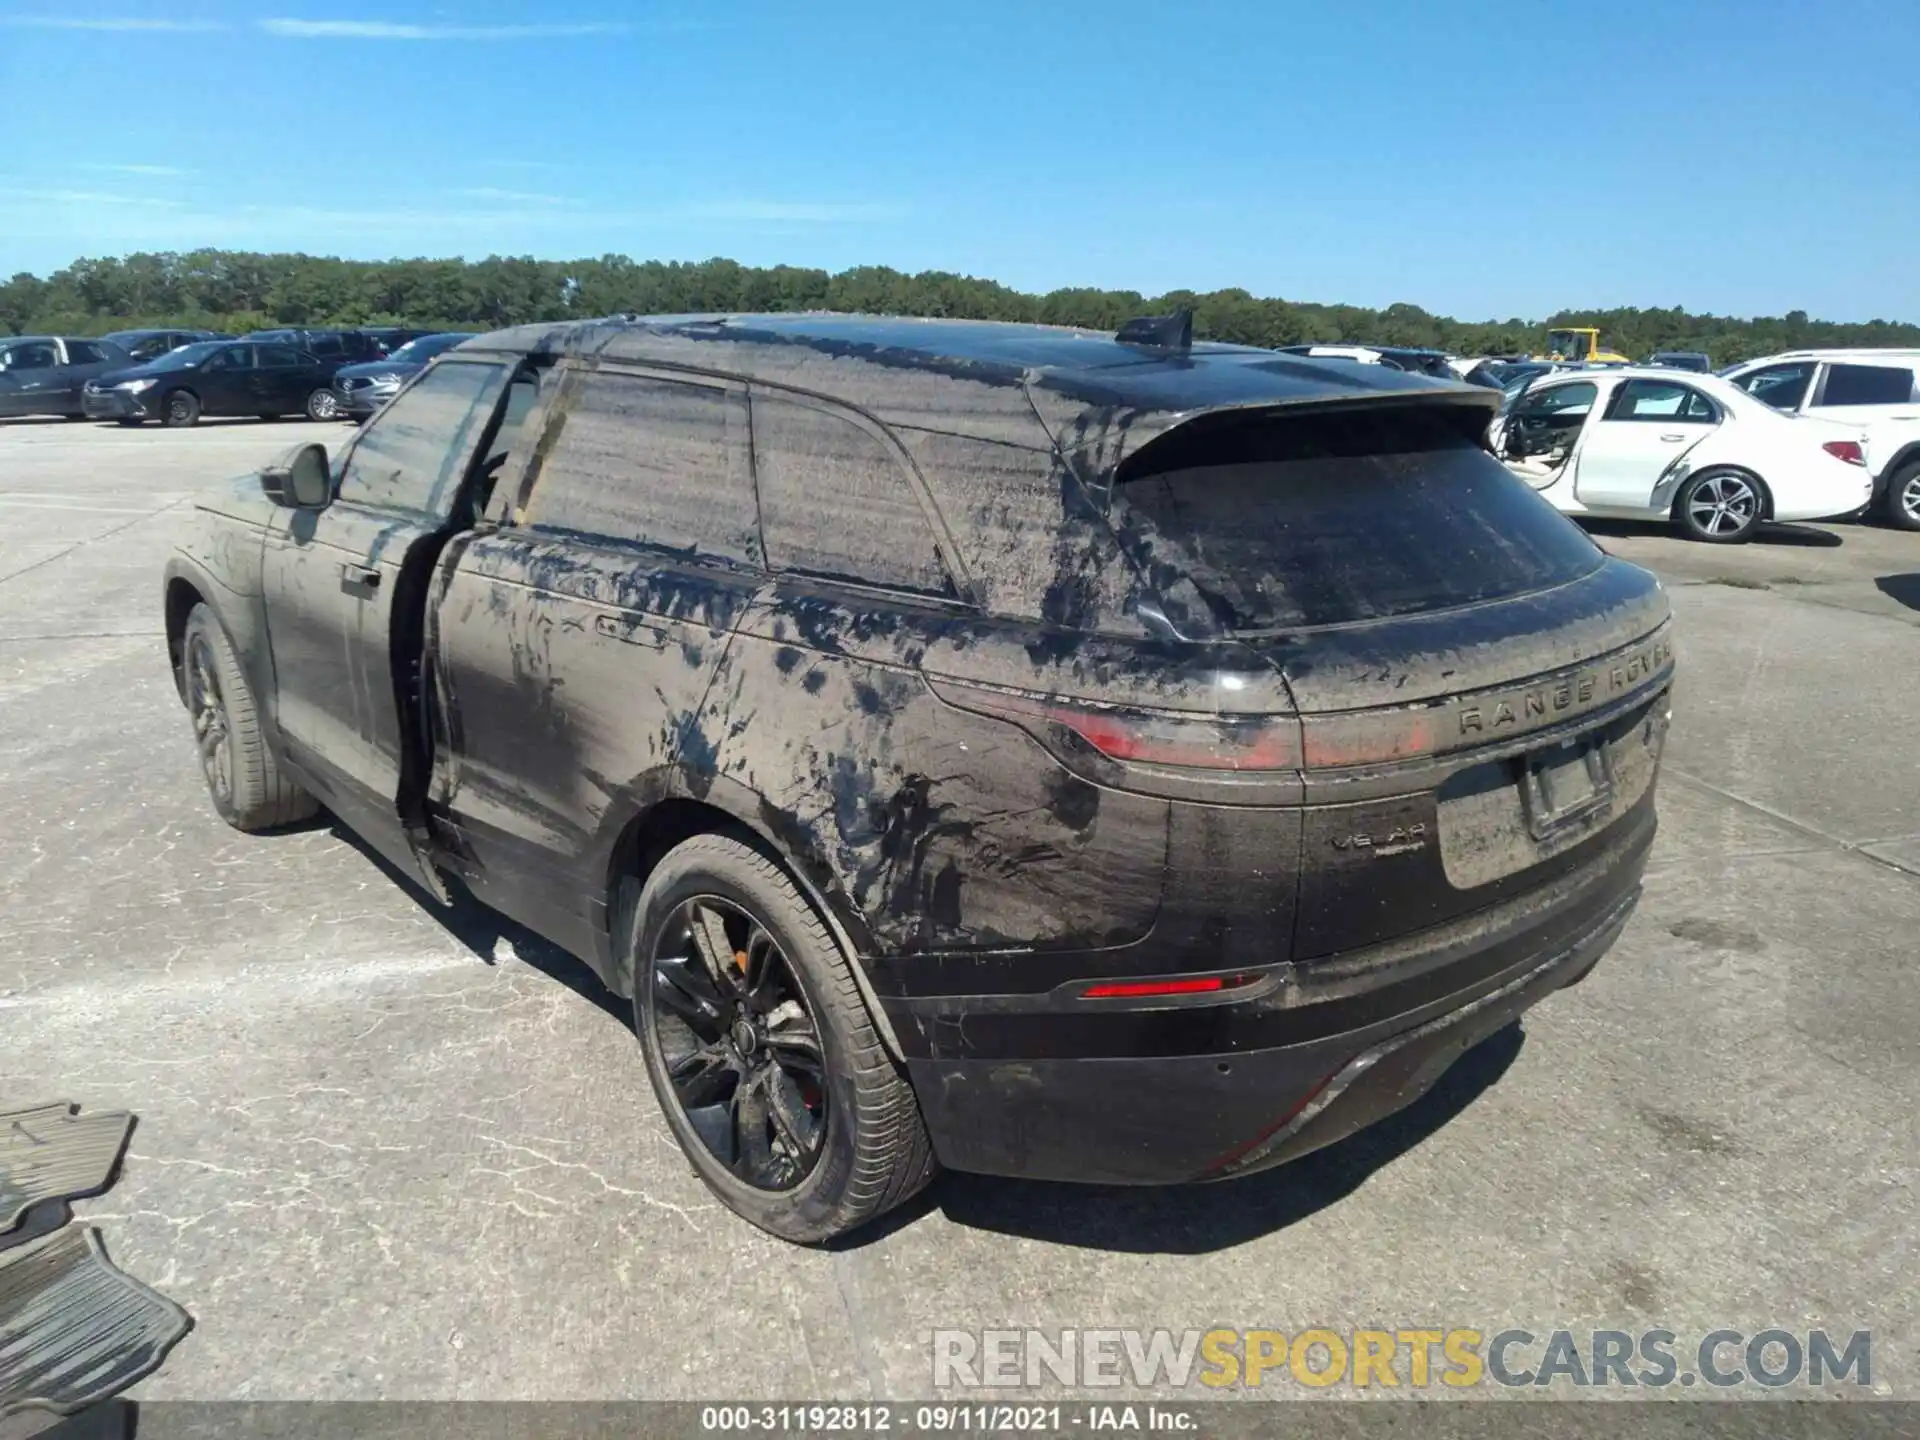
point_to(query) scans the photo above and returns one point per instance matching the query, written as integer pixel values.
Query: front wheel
(1721, 507)
(321, 405)
(182, 410)
(761, 1051)
(1903, 497)
(243, 779)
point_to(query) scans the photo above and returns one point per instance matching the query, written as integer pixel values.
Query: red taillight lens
(1137, 989)
(1368, 737)
(1147, 737)
(1847, 450)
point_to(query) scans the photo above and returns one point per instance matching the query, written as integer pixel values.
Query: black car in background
(1695, 360)
(215, 377)
(145, 345)
(389, 338)
(361, 389)
(1036, 752)
(45, 374)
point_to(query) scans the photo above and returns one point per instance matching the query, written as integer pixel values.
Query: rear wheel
(1722, 507)
(321, 405)
(1903, 497)
(761, 1050)
(182, 409)
(243, 780)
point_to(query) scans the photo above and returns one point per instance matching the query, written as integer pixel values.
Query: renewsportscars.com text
(1416, 1358)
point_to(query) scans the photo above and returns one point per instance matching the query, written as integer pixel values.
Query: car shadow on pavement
(1195, 1219)
(1905, 589)
(481, 928)
(1771, 533)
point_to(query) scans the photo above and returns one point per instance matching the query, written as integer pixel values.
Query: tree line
(237, 291)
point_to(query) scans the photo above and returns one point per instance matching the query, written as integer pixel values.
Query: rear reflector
(1847, 450)
(1147, 737)
(1194, 985)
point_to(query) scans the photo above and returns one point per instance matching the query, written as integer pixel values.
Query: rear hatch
(1480, 691)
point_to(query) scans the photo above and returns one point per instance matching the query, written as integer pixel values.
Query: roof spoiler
(1162, 332)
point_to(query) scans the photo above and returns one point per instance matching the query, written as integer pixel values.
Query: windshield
(418, 352)
(186, 356)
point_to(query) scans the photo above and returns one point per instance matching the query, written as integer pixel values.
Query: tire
(870, 1149)
(1721, 506)
(180, 410)
(321, 405)
(243, 780)
(1900, 506)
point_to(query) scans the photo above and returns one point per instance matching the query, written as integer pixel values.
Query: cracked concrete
(384, 1151)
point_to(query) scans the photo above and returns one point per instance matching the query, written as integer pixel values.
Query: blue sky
(1741, 156)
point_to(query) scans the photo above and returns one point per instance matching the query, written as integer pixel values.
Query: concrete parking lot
(384, 1151)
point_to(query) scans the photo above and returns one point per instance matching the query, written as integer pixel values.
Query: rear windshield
(1276, 524)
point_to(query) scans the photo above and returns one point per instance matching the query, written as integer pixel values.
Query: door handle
(358, 577)
(1673, 439)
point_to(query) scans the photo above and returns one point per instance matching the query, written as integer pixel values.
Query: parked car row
(106, 377)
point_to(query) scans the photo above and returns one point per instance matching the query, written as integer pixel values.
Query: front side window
(1868, 385)
(646, 461)
(413, 454)
(79, 352)
(1781, 386)
(835, 500)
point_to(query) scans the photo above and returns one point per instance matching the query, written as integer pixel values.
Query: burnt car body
(1172, 756)
(362, 388)
(144, 345)
(214, 378)
(48, 374)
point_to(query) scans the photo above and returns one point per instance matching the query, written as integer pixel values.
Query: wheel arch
(661, 811)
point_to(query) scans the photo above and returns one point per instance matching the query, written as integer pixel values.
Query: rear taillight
(1847, 450)
(1146, 737)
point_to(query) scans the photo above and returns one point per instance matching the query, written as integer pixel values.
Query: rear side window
(79, 352)
(1031, 540)
(1660, 400)
(1262, 524)
(1867, 385)
(278, 357)
(652, 462)
(835, 500)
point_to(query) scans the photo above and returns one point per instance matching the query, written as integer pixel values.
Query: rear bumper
(1347, 1053)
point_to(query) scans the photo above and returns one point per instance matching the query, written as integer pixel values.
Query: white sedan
(1655, 445)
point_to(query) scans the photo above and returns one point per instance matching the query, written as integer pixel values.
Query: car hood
(125, 372)
(369, 369)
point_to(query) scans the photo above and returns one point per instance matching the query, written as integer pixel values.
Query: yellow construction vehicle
(1580, 346)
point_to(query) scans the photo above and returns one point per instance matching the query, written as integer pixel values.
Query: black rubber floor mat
(52, 1153)
(42, 1219)
(74, 1329)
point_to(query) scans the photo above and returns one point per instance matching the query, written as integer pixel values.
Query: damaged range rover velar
(1089, 757)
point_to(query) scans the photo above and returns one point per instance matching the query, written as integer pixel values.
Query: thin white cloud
(83, 197)
(109, 22)
(513, 197)
(388, 30)
(159, 170)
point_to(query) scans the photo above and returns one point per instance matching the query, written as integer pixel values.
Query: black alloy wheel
(211, 731)
(739, 1041)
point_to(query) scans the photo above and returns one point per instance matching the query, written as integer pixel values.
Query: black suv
(1025, 750)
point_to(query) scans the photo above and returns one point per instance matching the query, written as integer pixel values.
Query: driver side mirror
(302, 479)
